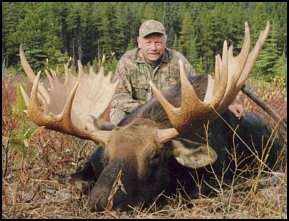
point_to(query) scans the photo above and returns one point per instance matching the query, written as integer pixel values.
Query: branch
(265, 107)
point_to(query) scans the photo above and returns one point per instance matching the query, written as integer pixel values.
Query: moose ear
(193, 154)
(93, 123)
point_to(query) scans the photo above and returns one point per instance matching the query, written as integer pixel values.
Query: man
(152, 60)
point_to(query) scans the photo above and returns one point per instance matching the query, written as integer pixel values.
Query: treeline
(89, 30)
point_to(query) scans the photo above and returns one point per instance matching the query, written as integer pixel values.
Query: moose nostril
(96, 203)
(98, 199)
(114, 187)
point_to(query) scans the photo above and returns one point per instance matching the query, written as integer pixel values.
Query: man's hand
(237, 110)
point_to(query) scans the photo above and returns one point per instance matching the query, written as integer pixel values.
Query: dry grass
(39, 186)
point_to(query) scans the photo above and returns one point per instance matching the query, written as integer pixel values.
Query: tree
(11, 12)
(171, 20)
(279, 15)
(87, 30)
(188, 40)
(131, 45)
(176, 45)
(38, 31)
(199, 68)
(149, 12)
(205, 39)
(111, 33)
(280, 67)
(258, 21)
(268, 58)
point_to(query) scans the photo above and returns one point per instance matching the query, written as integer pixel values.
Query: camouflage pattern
(151, 26)
(135, 72)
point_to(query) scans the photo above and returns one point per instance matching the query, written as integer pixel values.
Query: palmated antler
(230, 75)
(67, 106)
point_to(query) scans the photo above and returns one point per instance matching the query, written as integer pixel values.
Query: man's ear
(193, 154)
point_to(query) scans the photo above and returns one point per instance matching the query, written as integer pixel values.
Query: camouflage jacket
(135, 72)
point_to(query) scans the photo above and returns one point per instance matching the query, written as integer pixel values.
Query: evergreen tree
(171, 20)
(258, 22)
(74, 26)
(107, 19)
(111, 34)
(188, 40)
(11, 12)
(279, 17)
(268, 58)
(205, 39)
(131, 45)
(176, 45)
(125, 20)
(87, 30)
(280, 67)
(38, 31)
(149, 12)
(120, 26)
(199, 68)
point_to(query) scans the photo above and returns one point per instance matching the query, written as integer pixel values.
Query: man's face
(152, 46)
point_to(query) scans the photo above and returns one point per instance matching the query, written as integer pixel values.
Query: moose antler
(66, 106)
(230, 75)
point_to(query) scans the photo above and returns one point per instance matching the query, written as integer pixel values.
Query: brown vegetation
(37, 163)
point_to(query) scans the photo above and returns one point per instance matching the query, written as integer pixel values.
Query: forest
(53, 32)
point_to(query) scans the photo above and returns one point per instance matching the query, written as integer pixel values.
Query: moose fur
(163, 171)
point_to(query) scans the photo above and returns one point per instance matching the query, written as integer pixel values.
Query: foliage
(20, 137)
(274, 94)
(280, 68)
(188, 41)
(268, 63)
(88, 30)
(131, 45)
(39, 186)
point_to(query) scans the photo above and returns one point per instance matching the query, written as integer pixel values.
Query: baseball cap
(151, 26)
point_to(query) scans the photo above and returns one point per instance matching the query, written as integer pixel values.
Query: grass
(37, 163)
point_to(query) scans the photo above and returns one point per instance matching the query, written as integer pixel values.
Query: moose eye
(155, 160)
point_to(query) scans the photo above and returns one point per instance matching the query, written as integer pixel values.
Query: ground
(36, 168)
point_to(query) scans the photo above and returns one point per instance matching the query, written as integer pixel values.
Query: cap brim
(146, 34)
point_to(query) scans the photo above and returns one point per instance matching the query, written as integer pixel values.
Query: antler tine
(30, 72)
(170, 109)
(245, 71)
(25, 95)
(61, 122)
(220, 88)
(49, 79)
(230, 75)
(33, 109)
(80, 68)
(51, 121)
(253, 56)
(235, 66)
(66, 107)
(217, 74)
(184, 115)
(26, 65)
(91, 71)
(240, 60)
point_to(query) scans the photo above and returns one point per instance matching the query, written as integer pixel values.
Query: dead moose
(182, 135)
